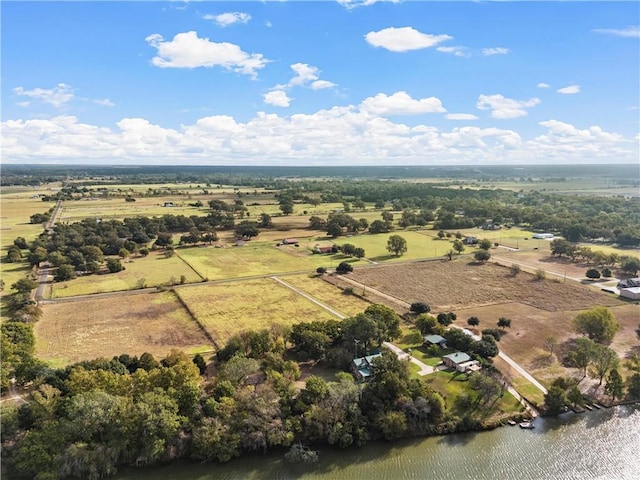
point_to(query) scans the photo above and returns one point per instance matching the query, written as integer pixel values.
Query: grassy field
(257, 258)
(452, 384)
(82, 330)
(230, 308)
(154, 269)
(328, 294)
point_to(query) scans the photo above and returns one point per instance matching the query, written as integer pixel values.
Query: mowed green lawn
(230, 308)
(256, 258)
(375, 246)
(154, 269)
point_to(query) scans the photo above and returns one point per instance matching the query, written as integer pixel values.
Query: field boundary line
(196, 319)
(310, 298)
(202, 277)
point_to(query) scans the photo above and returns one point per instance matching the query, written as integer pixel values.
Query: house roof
(364, 364)
(458, 357)
(434, 339)
(290, 240)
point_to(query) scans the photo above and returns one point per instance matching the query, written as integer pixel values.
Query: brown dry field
(156, 323)
(530, 326)
(459, 284)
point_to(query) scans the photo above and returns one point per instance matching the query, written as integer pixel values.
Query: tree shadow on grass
(382, 258)
(542, 361)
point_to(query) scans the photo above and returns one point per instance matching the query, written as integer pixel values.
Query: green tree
(419, 308)
(24, 285)
(598, 323)
(481, 256)
(473, 321)
(633, 386)
(630, 265)
(65, 272)
(550, 344)
(458, 246)
(114, 265)
(427, 324)
(581, 354)
(396, 245)
(593, 274)
(555, 400)
(603, 360)
(504, 322)
(359, 252)
(343, 268)
(378, 226)
(615, 385)
(485, 244)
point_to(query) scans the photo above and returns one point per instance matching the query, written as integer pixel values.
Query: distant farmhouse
(168, 204)
(363, 367)
(470, 241)
(325, 249)
(290, 241)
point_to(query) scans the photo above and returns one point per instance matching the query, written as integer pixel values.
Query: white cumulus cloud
(56, 96)
(628, 32)
(229, 18)
(458, 51)
(543, 85)
(105, 102)
(187, 50)
(460, 116)
(324, 137)
(403, 39)
(277, 98)
(494, 51)
(322, 84)
(351, 4)
(570, 90)
(504, 108)
(401, 103)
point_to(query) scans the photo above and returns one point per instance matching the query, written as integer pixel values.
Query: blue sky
(320, 83)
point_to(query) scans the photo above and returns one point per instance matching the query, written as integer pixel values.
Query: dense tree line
(87, 419)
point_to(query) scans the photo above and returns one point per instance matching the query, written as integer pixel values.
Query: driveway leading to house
(402, 355)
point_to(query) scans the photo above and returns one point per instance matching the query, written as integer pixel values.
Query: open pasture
(524, 342)
(16, 206)
(256, 258)
(154, 269)
(226, 309)
(117, 208)
(375, 246)
(82, 330)
(328, 294)
(460, 283)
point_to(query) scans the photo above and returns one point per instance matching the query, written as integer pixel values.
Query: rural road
(510, 361)
(424, 368)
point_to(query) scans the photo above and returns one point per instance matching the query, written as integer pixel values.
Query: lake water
(601, 444)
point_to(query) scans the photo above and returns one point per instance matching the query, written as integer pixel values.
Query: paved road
(424, 368)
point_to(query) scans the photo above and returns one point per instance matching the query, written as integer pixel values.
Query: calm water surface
(595, 445)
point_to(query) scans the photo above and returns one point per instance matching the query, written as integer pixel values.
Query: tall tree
(396, 245)
(598, 323)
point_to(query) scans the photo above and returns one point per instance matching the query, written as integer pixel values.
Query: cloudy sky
(347, 82)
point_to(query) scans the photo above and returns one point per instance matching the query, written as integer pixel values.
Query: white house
(632, 293)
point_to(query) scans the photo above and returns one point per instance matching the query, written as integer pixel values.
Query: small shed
(629, 283)
(632, 293)
(329, 249)
(470, 241)
(453, 360)
(435, 340)
(543, 236)
(289, 241)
